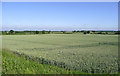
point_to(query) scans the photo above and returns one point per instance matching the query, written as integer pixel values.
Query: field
(12, 64)
(0, 61)
(86, 53)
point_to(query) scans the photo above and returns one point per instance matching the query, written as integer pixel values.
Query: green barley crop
(87, 53)
(13, 64)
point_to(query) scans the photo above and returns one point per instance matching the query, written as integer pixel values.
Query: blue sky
(66, 16)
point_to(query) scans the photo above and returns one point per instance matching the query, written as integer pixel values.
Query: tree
(37, 32)
(11, 31)
(106, 32)
(99, 32)
(64, 32)
(85, 32)
(74, 31)
(43, 32)
(49, 32)
(78, 31)
(93, 31)
(82, 30)
(88, 32)
(118, 32)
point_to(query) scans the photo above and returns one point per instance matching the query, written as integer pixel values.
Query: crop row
(63, 65)
(43, 61)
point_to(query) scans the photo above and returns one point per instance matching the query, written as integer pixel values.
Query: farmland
(12, 64)
(0, 61)
(87, 53)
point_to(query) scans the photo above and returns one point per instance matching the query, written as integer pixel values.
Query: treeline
(12, 32)
(97, 32)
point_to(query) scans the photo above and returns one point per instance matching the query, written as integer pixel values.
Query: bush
(88, 32)
(84, 33)
(64, 32)
(37, 32)
(49, 32)
(99, 32)
(43, 32)
(117, 32)
(11, 31)
(74, 31)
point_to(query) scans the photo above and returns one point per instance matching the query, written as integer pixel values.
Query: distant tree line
(12, 32)
(96, 32)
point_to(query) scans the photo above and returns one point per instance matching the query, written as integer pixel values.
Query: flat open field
(0, 54)
(87, 53)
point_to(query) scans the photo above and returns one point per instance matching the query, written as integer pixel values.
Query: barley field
(86, 53)
(0, 54)
(14, 64)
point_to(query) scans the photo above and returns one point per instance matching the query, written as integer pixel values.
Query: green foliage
(118, 32)
(82, 30)
(85, 32)
(49, 32)
(64, 32)
(74, 31)
(99, 32)
(37, 32)
(88, 32)
(11, 31)
(12, 64)
(43, 32)
(78, 31)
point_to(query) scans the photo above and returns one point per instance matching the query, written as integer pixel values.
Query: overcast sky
(66, 16)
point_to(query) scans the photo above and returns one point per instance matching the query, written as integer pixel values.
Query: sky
(60, 0)
(59, 16)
